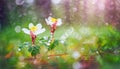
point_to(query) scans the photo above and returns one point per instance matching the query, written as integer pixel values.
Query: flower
(34, 30)
(50, 21)
(53, 22)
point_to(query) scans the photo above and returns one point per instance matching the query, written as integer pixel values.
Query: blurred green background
(89, 36)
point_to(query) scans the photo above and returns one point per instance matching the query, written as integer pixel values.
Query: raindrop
(17, 29)
(106, 24)
(50, 14)
(97, 52)
(19, 49)
(48, 43)
(62, 41)
(46, 38)
(56, 1)
(76, 55)
(63, 37)
(77, 65)
(29, 1)
(48, 57)
(75, 9)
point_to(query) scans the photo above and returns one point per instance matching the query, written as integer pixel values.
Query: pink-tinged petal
(59, 22)
(26, 31)
(31, 25)
(39, 31)
(39, 26)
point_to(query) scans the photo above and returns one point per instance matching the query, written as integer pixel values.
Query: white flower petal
(39, 31)
(39, 26)
(49, 18)
(26, 31)
(59, 22)
(31, 25)
(47, 21)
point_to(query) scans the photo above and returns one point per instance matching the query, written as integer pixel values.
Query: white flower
(51, 21)
(34, 29)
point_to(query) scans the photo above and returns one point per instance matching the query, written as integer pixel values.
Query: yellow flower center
(53, 20)
(34, 28)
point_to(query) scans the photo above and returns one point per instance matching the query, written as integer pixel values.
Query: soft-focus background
(90, 34)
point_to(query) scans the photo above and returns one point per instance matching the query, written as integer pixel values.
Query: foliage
(49, 45)
(109, 44)
(34, 50)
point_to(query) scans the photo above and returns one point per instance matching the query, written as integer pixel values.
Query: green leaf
(33, 53)
(30, 49)
(53, 45)
(34, 50)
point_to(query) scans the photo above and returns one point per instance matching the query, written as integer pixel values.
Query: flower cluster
(33, 31)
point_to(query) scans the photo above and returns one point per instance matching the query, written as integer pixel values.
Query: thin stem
(52, 37)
